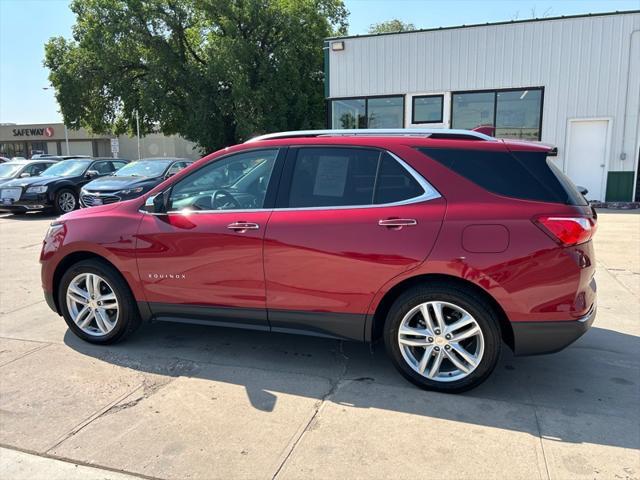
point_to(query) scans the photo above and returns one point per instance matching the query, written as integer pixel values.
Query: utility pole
(138, 131)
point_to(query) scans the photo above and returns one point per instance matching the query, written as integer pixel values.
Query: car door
(347, 221)
(203, 260)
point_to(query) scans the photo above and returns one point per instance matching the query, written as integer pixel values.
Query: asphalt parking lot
(180, 401)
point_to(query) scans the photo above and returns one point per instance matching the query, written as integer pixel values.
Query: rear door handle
(397, 222)
(243, 226)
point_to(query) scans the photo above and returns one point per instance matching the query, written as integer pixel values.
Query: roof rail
(379, 132)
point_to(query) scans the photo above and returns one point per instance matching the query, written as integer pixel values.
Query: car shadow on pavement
(587, 393)
(30, 216)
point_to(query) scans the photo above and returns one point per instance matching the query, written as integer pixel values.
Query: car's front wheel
(65, 201)
(96, 302)
(443, 337)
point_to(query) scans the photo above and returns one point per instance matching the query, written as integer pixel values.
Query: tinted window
(237, 182)
(325, 177)
(332, 177)
(102, 167)
(394, 183)
(427, 109)
(528, 176)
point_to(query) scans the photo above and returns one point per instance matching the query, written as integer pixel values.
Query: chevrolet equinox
(445, 244)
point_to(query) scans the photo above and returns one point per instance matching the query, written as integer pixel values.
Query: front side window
(427, 109)
(237, 182)
(342, 177)
(36, 169)
(103, 168)
(374, 112)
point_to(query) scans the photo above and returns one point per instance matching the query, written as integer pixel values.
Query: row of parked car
(62, 184)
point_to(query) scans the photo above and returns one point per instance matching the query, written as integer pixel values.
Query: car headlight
(41, 189)
(131, 190)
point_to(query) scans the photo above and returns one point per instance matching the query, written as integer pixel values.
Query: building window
(370, 112)
(513, 113)
(427, 109)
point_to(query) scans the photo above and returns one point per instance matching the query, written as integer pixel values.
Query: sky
(25, 26)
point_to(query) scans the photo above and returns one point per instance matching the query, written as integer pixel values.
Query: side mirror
(92, 173)
(157, 204)
(25, 175)
(583, 191)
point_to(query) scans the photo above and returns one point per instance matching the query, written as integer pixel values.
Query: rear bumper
(534, 338)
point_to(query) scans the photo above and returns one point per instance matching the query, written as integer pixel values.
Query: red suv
(444, 243)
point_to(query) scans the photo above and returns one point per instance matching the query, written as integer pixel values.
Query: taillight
(567, 230)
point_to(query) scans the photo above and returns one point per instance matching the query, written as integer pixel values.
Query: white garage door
(586, 160)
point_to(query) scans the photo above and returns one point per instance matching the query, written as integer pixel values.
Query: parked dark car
(23, 169)
(130, 181)
(58, 187)
(444, 244)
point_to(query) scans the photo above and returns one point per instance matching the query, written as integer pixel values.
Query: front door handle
(397, 223)
(243, 226)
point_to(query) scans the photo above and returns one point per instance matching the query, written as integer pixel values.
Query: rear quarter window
(522, 175)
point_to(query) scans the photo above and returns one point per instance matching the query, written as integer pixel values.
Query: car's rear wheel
(96, 302)
(443, 337)
(65, 201)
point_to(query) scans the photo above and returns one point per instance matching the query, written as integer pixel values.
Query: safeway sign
(115, 146)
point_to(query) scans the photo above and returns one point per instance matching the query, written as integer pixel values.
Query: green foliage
(391, 26)
(214, 71)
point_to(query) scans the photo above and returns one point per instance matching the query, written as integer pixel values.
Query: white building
(570, 81)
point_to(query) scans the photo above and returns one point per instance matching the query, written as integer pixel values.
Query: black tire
(466, 298)
(19, 212)
(56, 201)
(129, 316)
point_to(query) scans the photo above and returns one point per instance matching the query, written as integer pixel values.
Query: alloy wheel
(66, 202)
(441, 341)
(92, 304)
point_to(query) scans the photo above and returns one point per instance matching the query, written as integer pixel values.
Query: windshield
(144, 168)
(67, 168)
(8, 170)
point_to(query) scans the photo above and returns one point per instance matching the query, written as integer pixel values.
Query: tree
(214, 71)
(391, 26)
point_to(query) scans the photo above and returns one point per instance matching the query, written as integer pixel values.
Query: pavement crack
(149, 388)
(335, 386)
(34, 350)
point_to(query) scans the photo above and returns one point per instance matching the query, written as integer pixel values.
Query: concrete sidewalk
(180, 401)
(16, 465)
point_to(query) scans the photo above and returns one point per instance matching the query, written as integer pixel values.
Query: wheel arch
(378, 319)
(73, 258)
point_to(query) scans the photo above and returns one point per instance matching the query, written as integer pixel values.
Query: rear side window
(394, 183)
(331, 177)
(523, 175)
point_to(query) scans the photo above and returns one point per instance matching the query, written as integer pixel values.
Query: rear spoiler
(491, 130)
